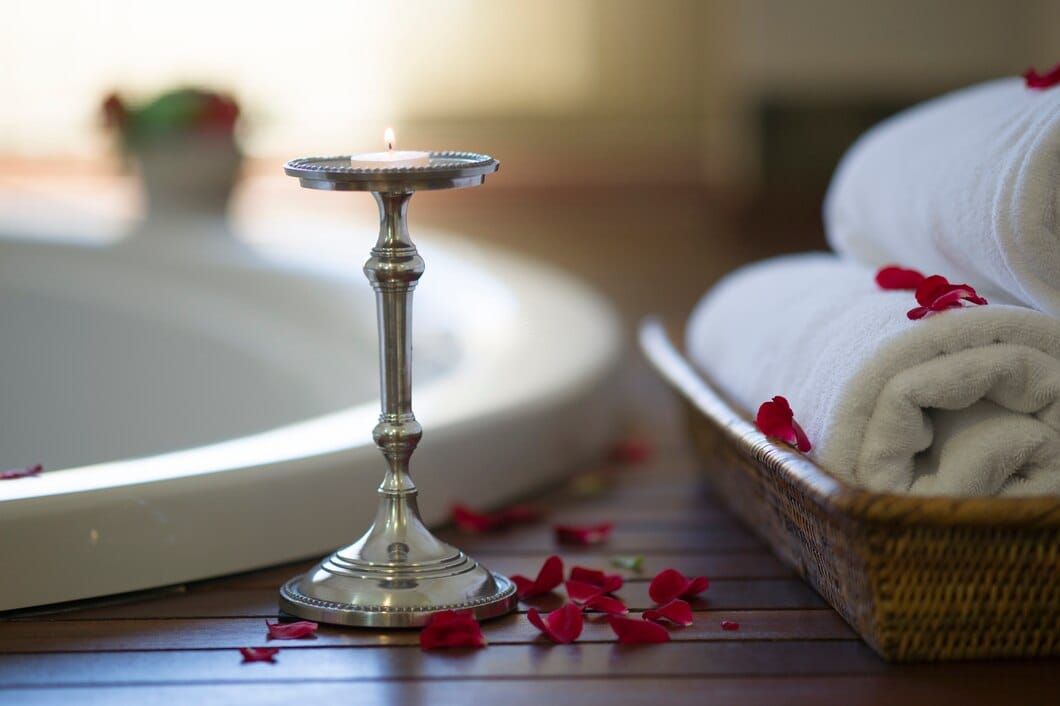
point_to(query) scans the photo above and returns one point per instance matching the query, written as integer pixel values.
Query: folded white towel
(962, 402)
(966, 186)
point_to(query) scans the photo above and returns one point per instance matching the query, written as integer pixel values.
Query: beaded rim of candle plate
(440, 161)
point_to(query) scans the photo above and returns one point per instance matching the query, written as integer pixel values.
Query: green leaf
(171, 113)
(633, 563)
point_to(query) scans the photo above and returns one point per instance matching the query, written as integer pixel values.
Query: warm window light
(295, 102)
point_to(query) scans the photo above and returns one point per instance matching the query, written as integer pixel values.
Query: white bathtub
(202, 411)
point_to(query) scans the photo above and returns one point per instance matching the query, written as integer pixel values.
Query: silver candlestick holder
(398, 573)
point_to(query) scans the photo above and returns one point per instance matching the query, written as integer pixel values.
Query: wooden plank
(540, 540)
(640, 489)
(644, 491)
(1032, 687)
(632, 510)
(103, 635)
(660, 489)
(743, 565)
(495, 661)
(691, 511)
(763, 594)
(691, 516)
(684, 498)
(271, 578)
(736, 565)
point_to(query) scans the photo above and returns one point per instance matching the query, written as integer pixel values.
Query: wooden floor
(180, 646)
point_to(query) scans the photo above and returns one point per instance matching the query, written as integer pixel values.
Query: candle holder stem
(397, 574)
(394, 269)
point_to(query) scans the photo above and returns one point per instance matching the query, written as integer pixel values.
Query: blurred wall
(856, 50)
(566, 90)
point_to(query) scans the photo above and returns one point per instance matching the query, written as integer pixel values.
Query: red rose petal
(449, 628)
(1033, 79)
(114, 113)
(953, 298)
(630, 451)
(590, 576)
(949, 300)
(666, 586)
(937, 294)
(936, 287)
(21, 472)
(895, 277)
(291, 631)
(259, 654)
(473, 521)
(548, 578)
(632, 631)
(217, 113)
(606, 604)
(695, 587)
(562, 625)
(729, 625)
(802, 442)
(607, 583)
(676, 611)
(775, 419)
(581, 592)
(931, 289)
(551, 574)
(670, 584)
(524, 587)
(583, 534)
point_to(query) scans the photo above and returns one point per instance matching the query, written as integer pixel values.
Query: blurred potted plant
(184, 144)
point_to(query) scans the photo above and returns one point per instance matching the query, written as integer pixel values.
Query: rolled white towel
(962, 402)
(966, 186)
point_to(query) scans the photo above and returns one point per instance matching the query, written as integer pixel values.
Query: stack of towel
(964, 401)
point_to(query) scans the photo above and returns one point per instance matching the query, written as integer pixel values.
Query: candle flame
(388, 138)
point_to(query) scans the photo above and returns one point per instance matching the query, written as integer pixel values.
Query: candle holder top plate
(447, 170)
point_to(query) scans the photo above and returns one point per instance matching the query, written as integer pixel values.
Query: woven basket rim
(819, 485)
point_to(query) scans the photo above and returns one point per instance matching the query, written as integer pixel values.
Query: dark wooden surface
(180, 645)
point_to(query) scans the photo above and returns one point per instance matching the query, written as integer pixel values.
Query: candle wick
(389, 146)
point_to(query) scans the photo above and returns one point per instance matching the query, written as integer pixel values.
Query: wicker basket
(920, 578)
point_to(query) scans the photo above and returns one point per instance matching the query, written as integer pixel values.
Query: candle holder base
(392, 600)
(395, 576)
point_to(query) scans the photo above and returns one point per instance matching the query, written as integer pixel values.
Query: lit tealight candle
(390, 158)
